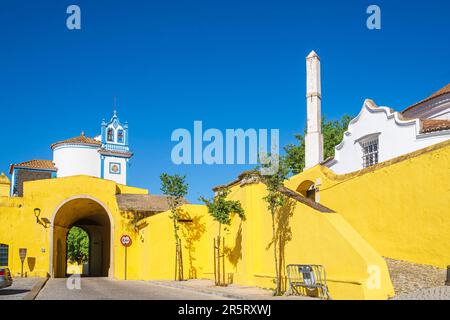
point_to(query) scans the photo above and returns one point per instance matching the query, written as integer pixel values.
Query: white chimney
(314, 138)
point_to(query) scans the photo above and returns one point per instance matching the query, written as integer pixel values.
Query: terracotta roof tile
(115, 152)
(143, 202)
(80, 140)
(438, 93)
(34, 164)
(430, 125)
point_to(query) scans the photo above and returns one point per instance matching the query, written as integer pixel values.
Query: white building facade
(378, 133)
(106, 156)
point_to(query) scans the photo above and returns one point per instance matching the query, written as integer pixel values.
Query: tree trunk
(280, 264)
(218, 257)
(178, 261)
(277, 289)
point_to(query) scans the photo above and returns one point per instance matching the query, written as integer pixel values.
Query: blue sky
(231, 64)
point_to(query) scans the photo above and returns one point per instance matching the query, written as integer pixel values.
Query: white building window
(370, 152)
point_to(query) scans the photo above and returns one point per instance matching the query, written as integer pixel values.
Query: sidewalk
(232, 291)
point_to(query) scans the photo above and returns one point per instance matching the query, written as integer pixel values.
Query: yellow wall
(401, 208)
(152, 255)
(4, 185)
(316, 238)
(19, 229)
(397, 209)
(311, 237)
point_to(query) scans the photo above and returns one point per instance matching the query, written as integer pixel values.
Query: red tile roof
(34, 164)
(80, 140)
(115, 152)
(438, 93)
(430, 125)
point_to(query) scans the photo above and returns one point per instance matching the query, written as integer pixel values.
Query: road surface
(105, 289)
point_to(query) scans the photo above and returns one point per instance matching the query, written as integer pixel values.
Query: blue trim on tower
(102, 167)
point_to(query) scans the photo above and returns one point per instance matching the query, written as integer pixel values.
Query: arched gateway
(94, 217)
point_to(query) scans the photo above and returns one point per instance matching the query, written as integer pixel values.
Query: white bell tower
(314, 138)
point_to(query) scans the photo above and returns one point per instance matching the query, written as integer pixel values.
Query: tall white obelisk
(314, 137)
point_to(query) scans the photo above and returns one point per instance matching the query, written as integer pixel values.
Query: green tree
(175, 188)
(221, 210)
(333, 132)
(77, 245)
(275, 201)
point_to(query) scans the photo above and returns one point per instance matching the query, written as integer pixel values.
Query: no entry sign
(125, 240)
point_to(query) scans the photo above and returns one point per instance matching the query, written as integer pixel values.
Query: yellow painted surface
(401, 208)
(74, 268)
(19, 228)
(4, 185)
(311, 237)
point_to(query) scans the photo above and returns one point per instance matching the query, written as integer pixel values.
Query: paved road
(105, 289)
(19, 288)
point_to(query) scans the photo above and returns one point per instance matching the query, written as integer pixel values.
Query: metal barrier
(308, 279)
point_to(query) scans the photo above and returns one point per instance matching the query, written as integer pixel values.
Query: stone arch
(92, 214)
(308, 189)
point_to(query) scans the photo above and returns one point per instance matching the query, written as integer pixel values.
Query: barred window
(4, 255)
(370, 152)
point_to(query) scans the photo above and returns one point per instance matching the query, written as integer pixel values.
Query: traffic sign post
(125, 240)
(22, 255)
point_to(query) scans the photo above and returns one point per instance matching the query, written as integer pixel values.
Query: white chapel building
(378, 133)
(105, 156)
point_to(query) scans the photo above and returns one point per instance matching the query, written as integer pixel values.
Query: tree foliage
(221, 209)
(333, 132)
(77, 245)
(175, 188)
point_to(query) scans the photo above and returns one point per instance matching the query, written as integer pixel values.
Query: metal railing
(308, 279)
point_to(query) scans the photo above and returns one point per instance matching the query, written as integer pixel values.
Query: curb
(195, 290)
(36, 289)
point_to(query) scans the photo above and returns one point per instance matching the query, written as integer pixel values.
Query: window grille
(370, 152)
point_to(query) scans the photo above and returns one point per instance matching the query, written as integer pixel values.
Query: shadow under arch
(93, 216)
(307, 189)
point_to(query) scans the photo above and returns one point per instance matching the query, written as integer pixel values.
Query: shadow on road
(5, 292)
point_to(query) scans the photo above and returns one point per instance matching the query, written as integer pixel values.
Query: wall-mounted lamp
(37, 213)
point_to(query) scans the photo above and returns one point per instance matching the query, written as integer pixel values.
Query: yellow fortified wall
(401, 207)
(20, 229)
(309, 237)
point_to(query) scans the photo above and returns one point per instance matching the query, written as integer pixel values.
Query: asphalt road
(106, 289)
(19, 289)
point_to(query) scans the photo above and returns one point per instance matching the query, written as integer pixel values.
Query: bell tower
(114, 152)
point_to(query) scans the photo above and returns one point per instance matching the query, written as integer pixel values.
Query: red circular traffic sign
(125, 240)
